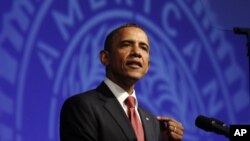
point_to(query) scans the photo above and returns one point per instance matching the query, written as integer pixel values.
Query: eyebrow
(132, 41)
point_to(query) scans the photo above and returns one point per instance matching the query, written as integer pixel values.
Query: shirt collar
(119, 92)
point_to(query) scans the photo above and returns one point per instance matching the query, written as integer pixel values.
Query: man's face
(129, 54)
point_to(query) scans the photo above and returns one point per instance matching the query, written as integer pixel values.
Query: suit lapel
(147, 125)
(114, 108)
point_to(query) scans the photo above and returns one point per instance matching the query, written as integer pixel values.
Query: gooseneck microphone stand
(246, 32)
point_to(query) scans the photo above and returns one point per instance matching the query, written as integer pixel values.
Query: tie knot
(130, 102)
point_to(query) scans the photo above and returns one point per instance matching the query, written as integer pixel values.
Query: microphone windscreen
(204, 123)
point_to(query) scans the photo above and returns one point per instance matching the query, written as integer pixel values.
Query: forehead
(132, 33)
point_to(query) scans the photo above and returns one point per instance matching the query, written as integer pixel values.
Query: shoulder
(83, 97)
(91, 98)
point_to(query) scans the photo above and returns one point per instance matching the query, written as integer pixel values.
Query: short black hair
(109, 38)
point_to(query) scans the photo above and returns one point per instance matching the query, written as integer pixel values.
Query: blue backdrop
(49, 51)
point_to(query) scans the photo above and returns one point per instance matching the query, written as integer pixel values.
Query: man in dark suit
(105, 113)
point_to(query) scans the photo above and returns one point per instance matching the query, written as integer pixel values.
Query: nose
(135, 51)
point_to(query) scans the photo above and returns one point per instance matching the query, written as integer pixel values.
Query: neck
(127, 84)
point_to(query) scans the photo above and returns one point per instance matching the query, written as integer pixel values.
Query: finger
(175, 121)
(176, 130)
(174, 124)
(175, 136)
(171, 124)
(160, 118)
(167, 119)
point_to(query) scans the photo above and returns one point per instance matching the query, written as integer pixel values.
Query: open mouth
(134, 64)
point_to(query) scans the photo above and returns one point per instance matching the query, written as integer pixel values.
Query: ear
(104, 57)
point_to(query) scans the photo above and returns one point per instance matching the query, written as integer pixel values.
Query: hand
(171, 129)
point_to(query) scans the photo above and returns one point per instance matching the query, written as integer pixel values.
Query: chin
(135, 76)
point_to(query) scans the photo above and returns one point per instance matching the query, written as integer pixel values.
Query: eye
(144, 47)
(126, 44)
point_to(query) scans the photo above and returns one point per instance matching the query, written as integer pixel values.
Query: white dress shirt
(121, 95)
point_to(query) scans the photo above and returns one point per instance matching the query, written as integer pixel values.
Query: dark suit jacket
(97, 115)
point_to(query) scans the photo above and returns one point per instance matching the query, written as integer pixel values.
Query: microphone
(212, 125)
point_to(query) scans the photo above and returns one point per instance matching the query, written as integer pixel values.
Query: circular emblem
(50, 50)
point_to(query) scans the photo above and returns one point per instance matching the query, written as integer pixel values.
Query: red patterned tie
(134, 119)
